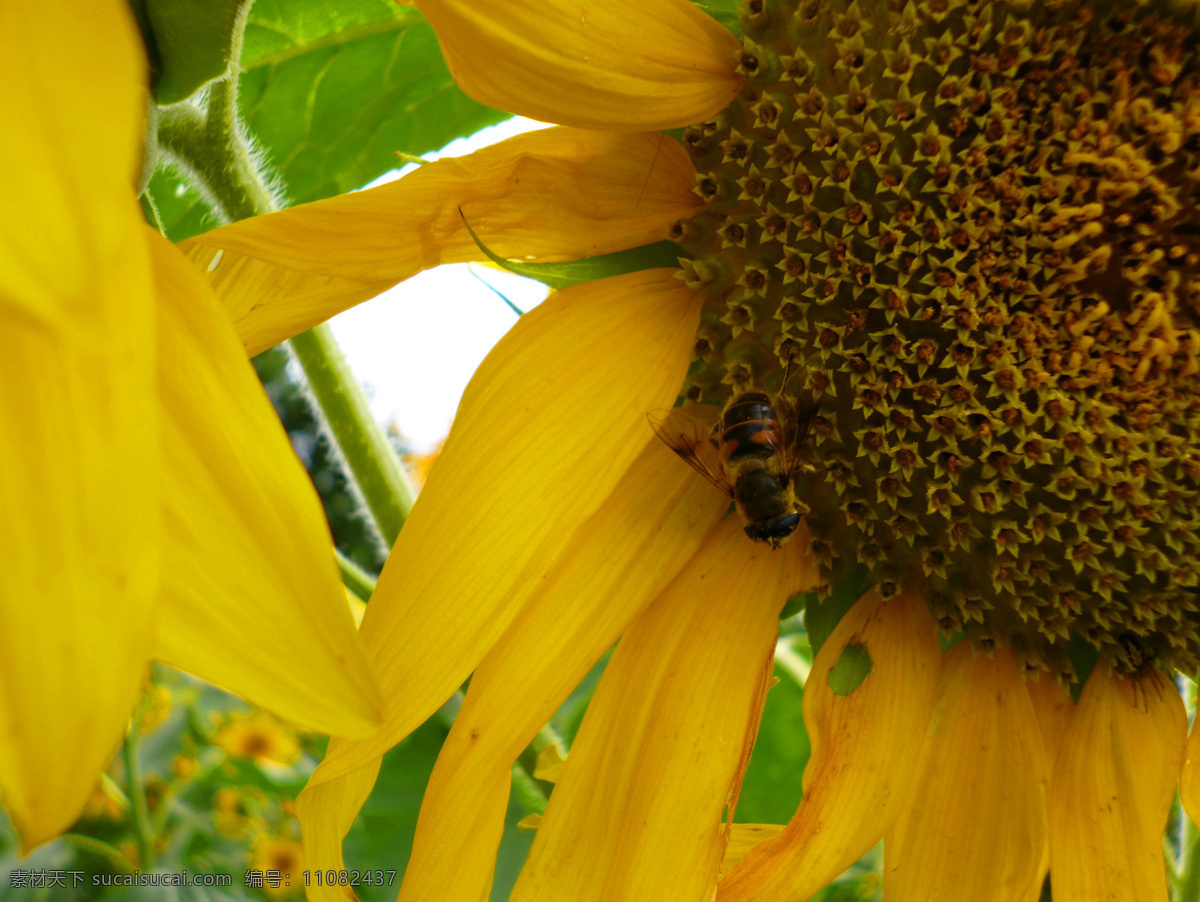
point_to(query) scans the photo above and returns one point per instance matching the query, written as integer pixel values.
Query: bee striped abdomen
(749, 429)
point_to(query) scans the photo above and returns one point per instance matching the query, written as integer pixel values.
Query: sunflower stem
(1188, 885)
(137, 795)
(214, 151)
(213, 148)
(385, 486)
(355, 578)
(100, 849)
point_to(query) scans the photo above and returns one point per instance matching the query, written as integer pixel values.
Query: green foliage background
(329, 93)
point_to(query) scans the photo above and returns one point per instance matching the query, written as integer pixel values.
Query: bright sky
(415, 347)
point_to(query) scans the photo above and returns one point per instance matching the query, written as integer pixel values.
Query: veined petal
(247, 556)
(558, 194)
(549, 424)
(1053, 706)
(865, 751)
(637, 813)
(621, 66)
(63, 202)
(79, 455)
(743, 838)
(1189, 779)
(1112, 789)
(618, 562)
(976, 824)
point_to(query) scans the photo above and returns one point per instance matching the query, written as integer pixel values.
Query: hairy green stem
(137, 795)
(100, 849)
(355, 578)
(1188, 882)
(212, 149)
(388, 491)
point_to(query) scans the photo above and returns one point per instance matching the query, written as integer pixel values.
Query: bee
(751, 454)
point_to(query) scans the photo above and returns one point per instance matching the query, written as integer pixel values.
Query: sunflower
(969, 231)
(153, 507)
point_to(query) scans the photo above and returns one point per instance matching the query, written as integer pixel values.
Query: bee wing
(795, 420)
(692, 440)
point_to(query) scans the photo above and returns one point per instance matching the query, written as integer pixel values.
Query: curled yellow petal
(866, 746)
(548, 426)
(247, 559)
(1113, 784)
(975, 826)
(618, 562)
(649, 64)
(637, 813)
(79, 455)
(558, 194)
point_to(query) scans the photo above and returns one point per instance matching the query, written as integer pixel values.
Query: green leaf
(332, 90)
(563, 275)
(820, 617)
(853, 666)
(191, 42)
(180, 208)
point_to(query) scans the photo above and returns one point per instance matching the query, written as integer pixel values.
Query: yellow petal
(1113, 784)
(72, 77)
(1189, 779)
(975, 825)
(247, 557)
(1053, 706)
(79, 458)
(549, 766)
(866, 747)
(624, 66)
(558, 194)
(743, 838)
(637, 813)
(549, 424)
(618, 562)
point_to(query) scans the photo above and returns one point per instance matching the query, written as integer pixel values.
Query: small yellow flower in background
(236, 811)
(153, 508)
(105, 803)
(184, 767)
(281, 858)
(260, 737)
(155, 707)
(971, 228)
(419, 465)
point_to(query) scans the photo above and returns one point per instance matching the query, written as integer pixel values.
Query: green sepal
(564, 275)
(821, 617)
(727, 12)
(853, 666)
(1083, 657)
(189, 43)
